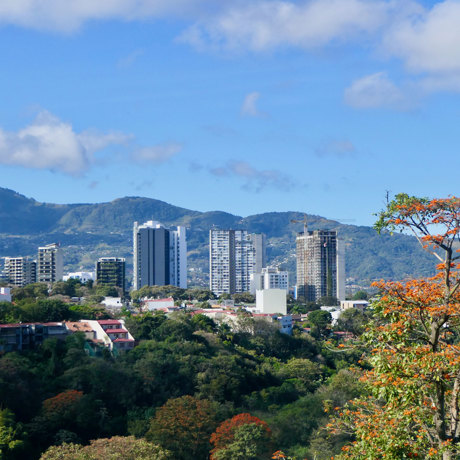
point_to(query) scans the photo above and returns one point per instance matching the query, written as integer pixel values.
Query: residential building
(160, 255)
(25, 336)
(112, 333)
(49, 263)
(111, 271)
(320, 265)
(19, 271)
(234, 256)
(259, 243)
(269, 278)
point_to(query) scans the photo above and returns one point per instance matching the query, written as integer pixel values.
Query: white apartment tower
(49, 263)
(160, 255)
(269, 278)
(19, 271)
(320, 265)
(233, 258)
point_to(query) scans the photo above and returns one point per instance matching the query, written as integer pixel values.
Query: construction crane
(304, 221)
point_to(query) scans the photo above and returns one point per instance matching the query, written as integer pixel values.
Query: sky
(318, 106)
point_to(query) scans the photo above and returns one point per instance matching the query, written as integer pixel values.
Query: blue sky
(318, 106)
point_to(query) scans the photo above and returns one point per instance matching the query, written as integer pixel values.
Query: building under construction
(320, 265)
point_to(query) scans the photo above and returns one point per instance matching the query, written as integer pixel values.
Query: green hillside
(89, 231)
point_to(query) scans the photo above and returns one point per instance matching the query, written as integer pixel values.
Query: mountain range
(89, 231)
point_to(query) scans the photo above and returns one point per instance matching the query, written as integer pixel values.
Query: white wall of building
(271, 301)
(5, 294)
(156, 304)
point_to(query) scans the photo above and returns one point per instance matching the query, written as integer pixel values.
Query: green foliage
(10, 435)
(31, 291)
(251, 442)
(116, 448)
(203, 323)
(144, 327)
(178, 356)
(352, 320)
(328, 301)
(67, 288)
(243, 297)
(360, 295)
(321, 320)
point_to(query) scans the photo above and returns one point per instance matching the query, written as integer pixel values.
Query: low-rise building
(271, 301)
(25, 336)
(157, 304)
(112, 333)
(359, 304)
(113, 303)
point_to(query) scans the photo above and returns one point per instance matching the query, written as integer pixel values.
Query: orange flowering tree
(412, 407)
(63, 405)
(229, 430)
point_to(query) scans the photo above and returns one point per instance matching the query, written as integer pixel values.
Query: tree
(360, 295)
(328, 301)
(321, 320)
(10, 434)
(183, 426)
(244, 297)
(352, 320)
(116, 448)
(250, 442)
(414, 382)
(228, 439)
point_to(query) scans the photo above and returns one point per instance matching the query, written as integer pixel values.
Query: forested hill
(89, 231)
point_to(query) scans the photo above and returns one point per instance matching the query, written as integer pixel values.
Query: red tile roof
(116, 331)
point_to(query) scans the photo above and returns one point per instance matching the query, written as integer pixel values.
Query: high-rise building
(19, 271)
(49, 263)
(320, 265)
(111, 271)
(233, 258)
(160, 255)
(259, 242)
(269, 278)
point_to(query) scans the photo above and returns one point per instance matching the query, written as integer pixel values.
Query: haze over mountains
(89, 231)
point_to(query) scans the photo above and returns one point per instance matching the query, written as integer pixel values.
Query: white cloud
(47, 143)
(69, 15)
(157, 153)
(262, 24)
(249, 106)
(255, 179)
(375, 90)
(428, 41)
(52, 144)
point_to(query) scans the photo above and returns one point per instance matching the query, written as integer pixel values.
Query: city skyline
(290, 105)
